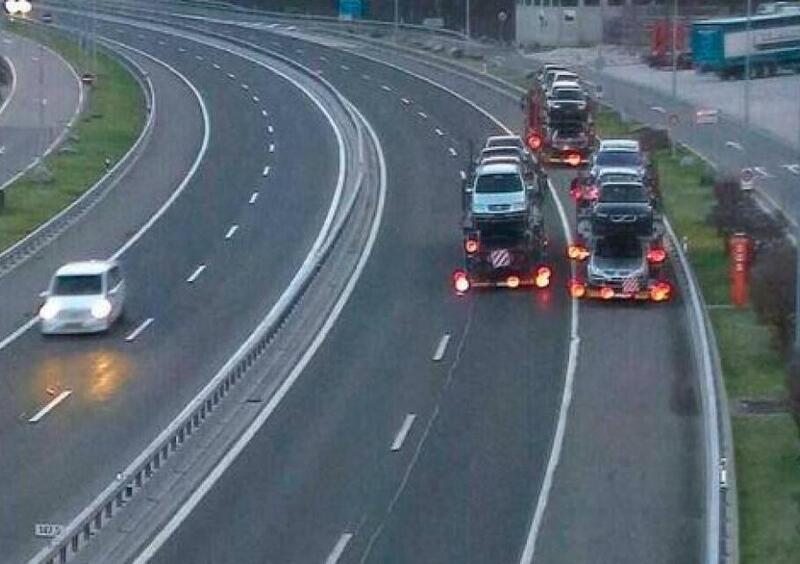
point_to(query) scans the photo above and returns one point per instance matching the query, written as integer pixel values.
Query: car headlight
(48, 311)
(519, 206)
(101, 309)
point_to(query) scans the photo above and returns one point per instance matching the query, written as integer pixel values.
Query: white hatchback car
(83, 297)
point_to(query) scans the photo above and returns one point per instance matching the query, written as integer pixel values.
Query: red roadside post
(740, 255)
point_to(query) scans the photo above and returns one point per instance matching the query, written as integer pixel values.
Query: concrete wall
(553, 23)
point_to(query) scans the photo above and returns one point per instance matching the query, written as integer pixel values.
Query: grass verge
(767, 448)
(109, 125)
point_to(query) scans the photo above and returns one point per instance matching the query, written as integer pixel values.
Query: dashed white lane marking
(253, 198)
(339, 548)
(181, 50)
(216, 66)
(50, 406)
(196, 274)
(199, 57)
(423, 115)
(386, 88)
(734, 145)
(270, 129)
(245, 86)
(139, 330)
(365, 76)
(763, 172)
(264, 113)
(272, 147)
(344, 67)
(323, 58)
(441, 348)
(277, 44)
(265, 172)
(162, 42)
(452, 152)
(299, 51)
(400, 438)
(462, 174)
(231, 75)
(793, 168)
(406, 101)
(439, 132)
(234, 228)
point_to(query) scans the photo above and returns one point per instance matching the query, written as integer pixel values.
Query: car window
(623, 193)
(568, 94)
(78, 285)
(498, 183)
(618, 158)
(619, 248)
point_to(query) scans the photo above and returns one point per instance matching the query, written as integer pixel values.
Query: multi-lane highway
(428, 427)
(41, 100)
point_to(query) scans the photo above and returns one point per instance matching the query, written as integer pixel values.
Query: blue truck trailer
(720, 45)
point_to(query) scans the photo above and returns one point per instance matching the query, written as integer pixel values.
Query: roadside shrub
(652, 139)
(793, 385)
(772, 290)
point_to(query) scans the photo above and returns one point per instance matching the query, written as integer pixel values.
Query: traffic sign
(351, 9)
(746, 178)
(707, 116)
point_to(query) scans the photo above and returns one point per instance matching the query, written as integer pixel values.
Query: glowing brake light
(534, 141)
(471, 246)
(591, 193)
(577, 252)
(573, 158)
(660, 292)
(461, 281)
(577, 289)
(576, 191)
(656, 255)
(543, 275)
(512, 281)
(607, 293)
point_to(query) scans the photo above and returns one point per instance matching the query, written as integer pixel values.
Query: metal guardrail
(55, 226)
(92, 519)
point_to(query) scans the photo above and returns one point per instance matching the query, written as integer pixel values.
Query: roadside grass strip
(113, 116)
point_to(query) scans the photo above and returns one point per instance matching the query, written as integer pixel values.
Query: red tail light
(512, 281)
(607, 293)
(543, 274)
(534, 141)
(471, 246)
(577, 289)
(577, 252)
(591, 193)
(660, 291)
(576, 191)
(461, 281)
(656, 255)
(573, 159)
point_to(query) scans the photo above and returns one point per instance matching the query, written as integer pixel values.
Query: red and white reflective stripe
(500, 258)
(630, 285)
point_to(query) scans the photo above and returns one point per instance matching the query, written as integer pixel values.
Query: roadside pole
(747, 64)
(674, 51)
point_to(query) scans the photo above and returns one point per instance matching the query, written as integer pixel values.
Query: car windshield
(505, 142)
(568, 94)
(619, 248)
(78, 285)
(623, 193)
(618, 158)
(498, 183)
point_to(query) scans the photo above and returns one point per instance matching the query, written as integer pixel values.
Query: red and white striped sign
(500, 258)
(630, 285)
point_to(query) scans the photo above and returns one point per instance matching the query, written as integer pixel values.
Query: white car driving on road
(83, 297)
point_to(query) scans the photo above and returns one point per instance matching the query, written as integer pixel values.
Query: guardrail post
(98, 520)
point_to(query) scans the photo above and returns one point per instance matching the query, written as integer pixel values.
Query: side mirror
(44, 293)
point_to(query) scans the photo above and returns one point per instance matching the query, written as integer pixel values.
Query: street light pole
(466, 21)
(747, 64)
(396, 18)
(675, 49)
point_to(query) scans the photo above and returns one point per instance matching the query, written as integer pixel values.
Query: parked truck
(721, 45)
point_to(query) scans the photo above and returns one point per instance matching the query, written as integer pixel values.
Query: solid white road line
(423, 115)
(452, 152)
(339, 548)
(196, 274)
(400, 438)
(139, 330)
(439, 132)
(253, 198)
(234, 228)
(440, 350)
(50, 406)
(265, 172)
(272, 147)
